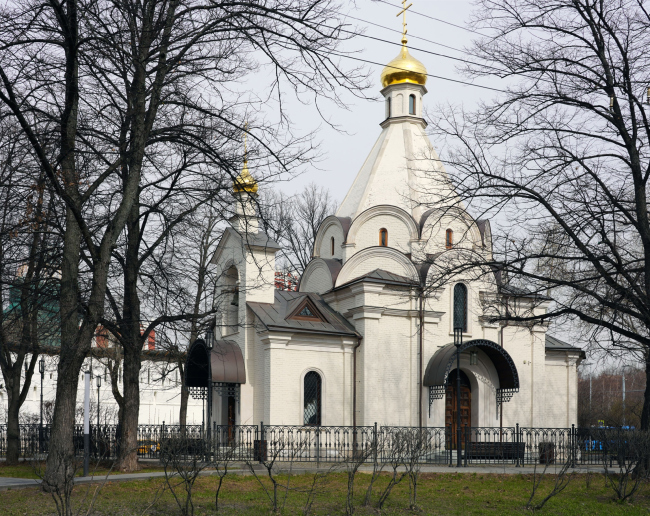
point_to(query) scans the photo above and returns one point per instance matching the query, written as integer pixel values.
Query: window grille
(460, 307)
(312, 394)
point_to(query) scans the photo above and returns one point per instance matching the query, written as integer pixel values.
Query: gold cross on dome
(403, 12)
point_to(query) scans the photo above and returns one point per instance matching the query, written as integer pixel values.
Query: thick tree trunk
(131, 411)
(75, 343)
(645, 411)
(185, 394)
(13, 430)
(132, 343)
(60, 465)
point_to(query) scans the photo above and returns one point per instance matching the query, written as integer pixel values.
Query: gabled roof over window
(306, 311)
(277, 316)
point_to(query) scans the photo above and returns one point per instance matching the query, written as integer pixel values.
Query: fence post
(451, 445)
(261, 442)
(574, 443)
(317, 447)
(517, 445)
(467, 440)
(86, 422)
(375, 444)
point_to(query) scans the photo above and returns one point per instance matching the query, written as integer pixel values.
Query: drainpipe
(501, 404)
(354, 383)
(421, 344)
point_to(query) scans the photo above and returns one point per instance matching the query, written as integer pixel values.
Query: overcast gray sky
(344, 153)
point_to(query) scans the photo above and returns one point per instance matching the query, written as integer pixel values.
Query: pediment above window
(306, 311)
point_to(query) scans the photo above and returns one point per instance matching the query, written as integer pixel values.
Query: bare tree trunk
(60, 465)
(13, 429)
(74, 346)
(645, 413)
(132, 341)
(131, 399)
(185, 394)
(16, 397)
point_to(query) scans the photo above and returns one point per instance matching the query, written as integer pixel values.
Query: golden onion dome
(404, 69)
(244, 181)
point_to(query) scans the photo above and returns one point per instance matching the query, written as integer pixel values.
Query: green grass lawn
(30, 469)
(437, 494)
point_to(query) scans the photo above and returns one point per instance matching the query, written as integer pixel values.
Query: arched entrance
(451, 404)
(222, 374)
(440, 376)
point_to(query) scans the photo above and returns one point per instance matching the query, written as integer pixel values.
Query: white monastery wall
(159, 399)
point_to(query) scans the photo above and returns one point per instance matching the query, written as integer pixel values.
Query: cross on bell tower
(403, 13)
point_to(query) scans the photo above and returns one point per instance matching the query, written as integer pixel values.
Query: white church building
(354, 345)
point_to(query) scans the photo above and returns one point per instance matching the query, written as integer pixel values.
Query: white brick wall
(325, 251)
(317, 278)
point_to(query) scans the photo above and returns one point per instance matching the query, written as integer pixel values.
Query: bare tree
(185, 284)
(416, 447)
(629, 451)
(182, 466)
(293, 221)
(284, 447)
(560, 157)
(119, 80)
(562, 479)
(28, 274)
(601, 397)
(223, 455)
(356, 457)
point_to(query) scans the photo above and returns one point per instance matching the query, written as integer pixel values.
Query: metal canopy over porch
(436, 376)
(226, 365)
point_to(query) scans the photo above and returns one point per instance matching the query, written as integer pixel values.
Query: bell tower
(403, 81)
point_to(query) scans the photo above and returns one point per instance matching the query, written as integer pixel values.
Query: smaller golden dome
(404, 68)
(244, 181)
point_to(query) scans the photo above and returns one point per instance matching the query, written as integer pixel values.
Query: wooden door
(451, 412)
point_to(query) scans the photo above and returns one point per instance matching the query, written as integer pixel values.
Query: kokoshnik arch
(345, 349)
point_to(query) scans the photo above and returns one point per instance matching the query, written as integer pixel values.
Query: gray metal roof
(444, 360)
(274, 316)
(380, 276)
(555, 344)
(260, 240)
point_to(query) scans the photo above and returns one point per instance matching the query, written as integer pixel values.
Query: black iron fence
(519, 446)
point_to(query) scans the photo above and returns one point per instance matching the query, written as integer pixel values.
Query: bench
(496, 450)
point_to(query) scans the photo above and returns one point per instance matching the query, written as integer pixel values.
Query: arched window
(313, 390)
(388, 110)
(383, 237)
(411, 104)
(332, 246)
(460, 307)
(449, 239)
